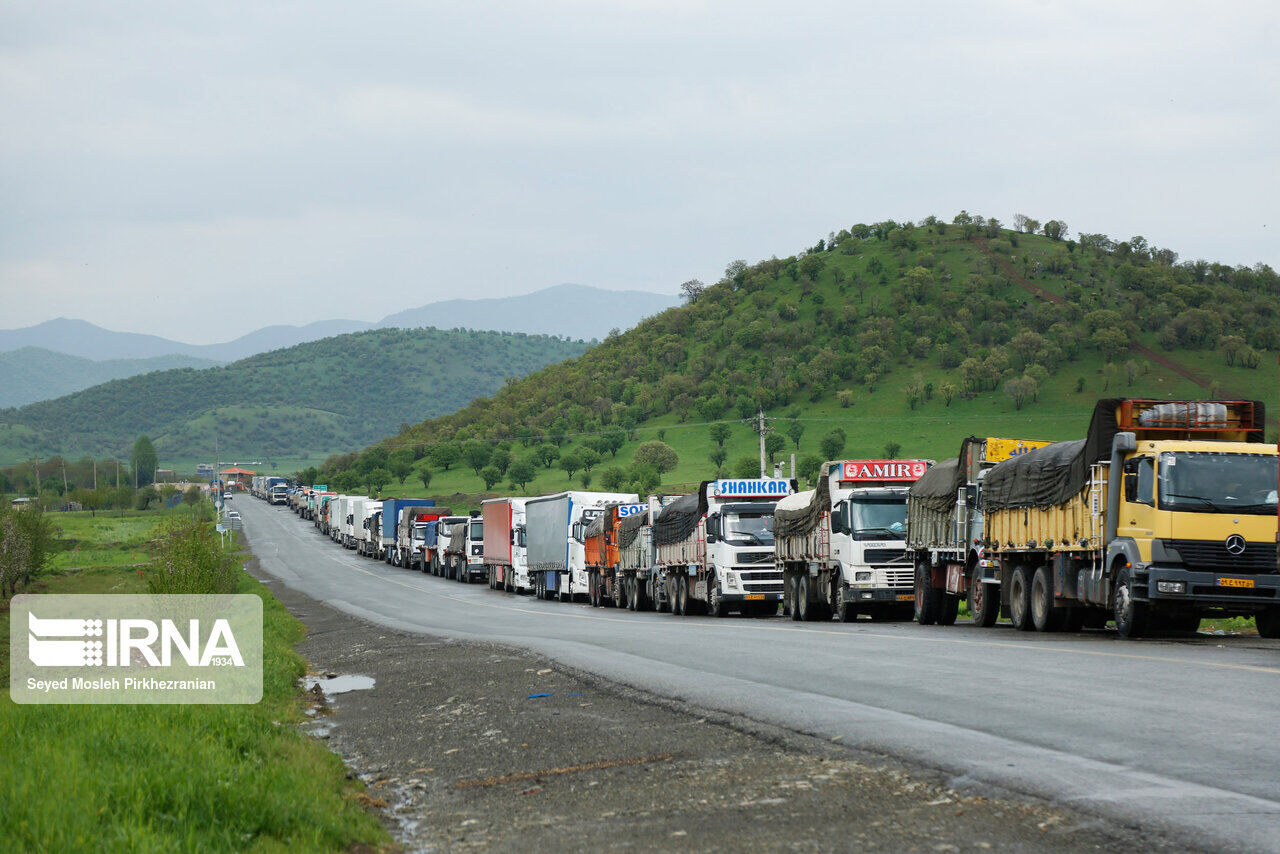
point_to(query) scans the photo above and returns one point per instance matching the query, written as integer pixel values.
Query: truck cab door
(1138, 516)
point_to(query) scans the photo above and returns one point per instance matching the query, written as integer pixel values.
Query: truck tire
(808, 613)
(1020, 600)
(1044, 616)
(680, 599)
(462, 573)
(1131, 617)
(632, 593)
(619, 595)
(845, 610)
(715, 601)
(792, 587)
(1268, 623)
(593, 590)
(928, 600)
(984, 603)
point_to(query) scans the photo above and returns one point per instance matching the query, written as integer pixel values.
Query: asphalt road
(1174, 736)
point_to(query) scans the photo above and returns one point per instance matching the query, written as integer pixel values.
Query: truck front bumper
(1235, 591)
(732, 598)
(879, 595)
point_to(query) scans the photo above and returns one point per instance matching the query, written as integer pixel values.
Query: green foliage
(719, 434)
(521, 472)
(661, 456)
(425, 475)
(795, 430)
(144, 461)
(490, 475)
(747, 467)
(189, 558)
(26, 546)
(832, 444)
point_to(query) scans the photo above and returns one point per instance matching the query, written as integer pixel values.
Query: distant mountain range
(28, 375)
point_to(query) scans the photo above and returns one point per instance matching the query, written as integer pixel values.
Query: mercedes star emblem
(1235, 545)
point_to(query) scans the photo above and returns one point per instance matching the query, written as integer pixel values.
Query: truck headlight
(862, 576)
(731, 581)
(1171, 586)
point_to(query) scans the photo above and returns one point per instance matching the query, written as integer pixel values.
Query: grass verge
(165, 778)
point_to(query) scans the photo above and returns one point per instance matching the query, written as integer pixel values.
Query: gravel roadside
(470, 746)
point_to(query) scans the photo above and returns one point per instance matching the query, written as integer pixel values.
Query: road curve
(1176, 736)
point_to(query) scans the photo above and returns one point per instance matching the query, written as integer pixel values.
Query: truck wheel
(927, 599)
(680, 597)
(803, 604)
(1044, 616)
(462, 572)
(792, 588)
(1131, 617)
(844, 609)
(593, 590)
(632, 594)
(1268, 623)
(619, 595)
(984, 603)
(715, 601)
(1020, 600)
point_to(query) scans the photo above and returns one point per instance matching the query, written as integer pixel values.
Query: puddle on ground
(340, 684)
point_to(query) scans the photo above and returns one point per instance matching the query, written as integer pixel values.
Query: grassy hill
(338, 392)
(29, 374)
(904, 337)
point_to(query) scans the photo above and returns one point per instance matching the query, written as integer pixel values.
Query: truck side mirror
(837, 519)
(577, 531)
(713, 528)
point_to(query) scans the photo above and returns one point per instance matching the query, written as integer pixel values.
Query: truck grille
(755, 557)
(1213, 555)
(763, 588)
(884, 556)
(901, 578)
(761, 575)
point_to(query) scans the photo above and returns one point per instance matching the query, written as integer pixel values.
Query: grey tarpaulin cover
(596, 526)
(458, 538)
(1055, 473)
(937, 490)
(630, 526)
(679, 518)
(795, 523)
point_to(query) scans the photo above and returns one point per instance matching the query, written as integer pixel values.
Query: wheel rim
(802, 597)
(1039, 609)
(1124, 603)
(977, 600)
(1017, 599)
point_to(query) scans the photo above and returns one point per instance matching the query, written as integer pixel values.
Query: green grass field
(165, 778)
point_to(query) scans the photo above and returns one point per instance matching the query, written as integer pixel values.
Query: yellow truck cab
(1164, 514)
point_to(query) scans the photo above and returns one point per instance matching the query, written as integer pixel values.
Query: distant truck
(605, 583)
(276, 490)
(465, 551)
(411, 535)
(945, 532)
(389, 524)
(715, 548)
(556, 526)
(1163, 514)
(506, 553)
(368, 529)
(841, 547)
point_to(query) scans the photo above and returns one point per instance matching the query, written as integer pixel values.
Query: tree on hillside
(808, 467)
(658, 454)
(774, 444)
(832, 444)
(476, 454)
(691, 290)
(719, 434)
(490, 475)
(400, 464)
(1055, 229)
(144, 461)
(444, 455)
(589, 458)
(547, 454)
(795, 430)
(375, 479)
(570, 463)
(717, 456)
(746, 467)
(520, 472)
(614, 439)
(425, 474)
(612, 479)
(891, 450)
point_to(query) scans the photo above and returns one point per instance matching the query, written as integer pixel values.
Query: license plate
(759, 597)
(906, 597)
(1235, 582)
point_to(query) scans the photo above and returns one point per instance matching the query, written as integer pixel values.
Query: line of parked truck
(1163, 514)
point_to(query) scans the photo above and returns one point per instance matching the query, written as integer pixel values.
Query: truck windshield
(878, 518)
(1206, 482)
(748, 529)
(477, 530)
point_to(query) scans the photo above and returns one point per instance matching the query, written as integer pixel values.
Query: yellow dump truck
(1165, 513)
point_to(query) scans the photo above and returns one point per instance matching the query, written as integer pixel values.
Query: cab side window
(1146, 481)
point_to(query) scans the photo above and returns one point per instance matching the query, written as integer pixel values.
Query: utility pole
(762, 428)
(65, 487)
(95, 475)
(35, 465)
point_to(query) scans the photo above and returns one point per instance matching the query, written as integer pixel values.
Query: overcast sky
(201, 170)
